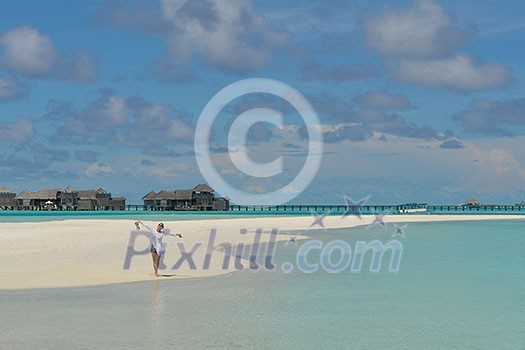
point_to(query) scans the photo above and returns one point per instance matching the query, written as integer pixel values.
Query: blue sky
(418, 100)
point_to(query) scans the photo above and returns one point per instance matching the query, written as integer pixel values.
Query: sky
(417, 101)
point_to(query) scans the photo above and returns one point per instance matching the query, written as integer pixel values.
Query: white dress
(156, 239)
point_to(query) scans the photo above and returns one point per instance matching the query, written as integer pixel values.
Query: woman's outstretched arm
(166, 232)
(143, 224)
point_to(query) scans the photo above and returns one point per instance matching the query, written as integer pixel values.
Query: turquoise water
(43, 216)
(460, 286)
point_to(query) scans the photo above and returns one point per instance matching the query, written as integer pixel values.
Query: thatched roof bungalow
(201, 197)
(69, 199)
(42, 199)
(7, 199)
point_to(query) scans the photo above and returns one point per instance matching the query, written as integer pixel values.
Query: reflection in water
(157, 313)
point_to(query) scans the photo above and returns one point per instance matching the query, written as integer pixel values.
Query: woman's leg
(155, 258)
(158, 263)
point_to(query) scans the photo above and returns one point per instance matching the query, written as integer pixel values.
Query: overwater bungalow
(44, 199)
(7, 199)
(69, 199)
(201, 197)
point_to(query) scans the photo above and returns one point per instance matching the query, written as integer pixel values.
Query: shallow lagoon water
(44, 216)
(460, 286)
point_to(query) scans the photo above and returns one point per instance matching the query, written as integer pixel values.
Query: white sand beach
(76, 253)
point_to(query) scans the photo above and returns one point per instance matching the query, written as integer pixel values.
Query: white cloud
(421, 169)
(225, 34)
(459, 73)
(107, 111)
(112, 119)
(424, 30)
(497, 170)
(19, 131)
(27, 51)
(171, 7)
(419, 45)
(180, 130)
(159, 122)
(114, 111)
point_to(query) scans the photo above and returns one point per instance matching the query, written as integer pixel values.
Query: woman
(157, 247)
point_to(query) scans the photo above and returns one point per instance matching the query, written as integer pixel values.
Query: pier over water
(338, 209)
(391, 209)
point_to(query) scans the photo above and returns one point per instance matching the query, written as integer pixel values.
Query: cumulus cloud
(358, 118)
(491, 174)
(12, 89)
(419, 45)
(228, 35)
(27, 51)
(101, 116)
(493, 118)
(459, 73)
(371, 115)
(158, 123)
(424, 30)
(496, 170)
(20, 131)
(114, 119)
(109, 110)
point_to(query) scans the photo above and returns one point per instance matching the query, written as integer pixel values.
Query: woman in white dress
(157, 247)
